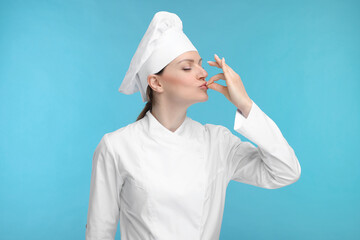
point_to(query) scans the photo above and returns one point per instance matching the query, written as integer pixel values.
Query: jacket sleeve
(104, 202)
(273, 164)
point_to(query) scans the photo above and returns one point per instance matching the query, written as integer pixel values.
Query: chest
(172, 170)
(170, 179)
(166, 179)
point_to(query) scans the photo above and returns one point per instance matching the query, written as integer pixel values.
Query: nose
(203, 73)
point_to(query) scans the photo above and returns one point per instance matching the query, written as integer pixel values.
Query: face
(182, 78)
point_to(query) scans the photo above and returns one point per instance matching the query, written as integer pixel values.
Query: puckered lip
(204, 84)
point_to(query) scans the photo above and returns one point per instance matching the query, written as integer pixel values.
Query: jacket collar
(155, 129)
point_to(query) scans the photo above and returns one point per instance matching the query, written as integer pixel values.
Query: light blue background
(61, 63)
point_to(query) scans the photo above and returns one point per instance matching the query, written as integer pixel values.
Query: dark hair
(149, 93)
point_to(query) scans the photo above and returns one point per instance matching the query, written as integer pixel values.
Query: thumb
(219, 88)
(215, 86)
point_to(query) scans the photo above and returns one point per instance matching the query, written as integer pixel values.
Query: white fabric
(163, 41)
(171, 185)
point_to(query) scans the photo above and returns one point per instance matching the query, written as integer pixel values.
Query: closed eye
(188, 69)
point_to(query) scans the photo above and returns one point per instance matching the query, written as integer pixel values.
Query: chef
(164, 176)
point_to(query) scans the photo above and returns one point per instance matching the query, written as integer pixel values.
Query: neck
(170, 115)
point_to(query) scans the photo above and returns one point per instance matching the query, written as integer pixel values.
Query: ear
(155, 83)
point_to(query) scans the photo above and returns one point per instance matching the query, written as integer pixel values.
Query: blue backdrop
(61, 63)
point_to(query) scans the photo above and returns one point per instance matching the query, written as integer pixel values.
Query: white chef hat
(164, 40)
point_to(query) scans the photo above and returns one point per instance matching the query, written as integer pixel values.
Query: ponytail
(150, 94)
(148, 106)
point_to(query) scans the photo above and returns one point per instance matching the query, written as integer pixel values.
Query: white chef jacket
(165, 185)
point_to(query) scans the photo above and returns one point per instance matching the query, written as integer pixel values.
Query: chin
(203, 98)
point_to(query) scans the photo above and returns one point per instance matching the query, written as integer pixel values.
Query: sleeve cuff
(241, 120)
(259, 128)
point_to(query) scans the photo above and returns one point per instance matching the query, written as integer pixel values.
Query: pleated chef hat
(164, 40)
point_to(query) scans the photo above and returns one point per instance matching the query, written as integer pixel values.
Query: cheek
(182, 86)
(186, 89)
(181, 83)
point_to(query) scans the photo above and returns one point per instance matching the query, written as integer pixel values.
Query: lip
(203, 85)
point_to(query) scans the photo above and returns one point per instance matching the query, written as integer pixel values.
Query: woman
(165, 175)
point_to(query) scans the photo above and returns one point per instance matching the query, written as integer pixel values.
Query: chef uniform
(164, 185)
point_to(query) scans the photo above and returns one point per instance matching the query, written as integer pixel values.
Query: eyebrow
(190, 60)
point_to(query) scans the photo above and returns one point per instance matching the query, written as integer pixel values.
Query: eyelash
(188, 69)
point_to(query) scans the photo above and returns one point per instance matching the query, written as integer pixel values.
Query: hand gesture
(234, 90)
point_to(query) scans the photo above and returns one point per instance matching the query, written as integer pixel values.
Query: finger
(215, 64)
(216, 77)
(228, 69)
(218, 60)
(220, 88)
(227, 73)
(225, 66)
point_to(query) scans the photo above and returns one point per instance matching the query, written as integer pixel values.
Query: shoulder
(216, 129)
(221, 134)
(213, 131)
(124, 134)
